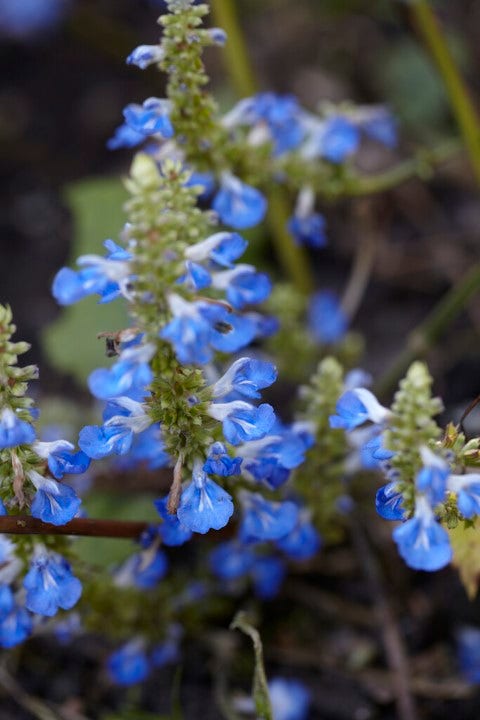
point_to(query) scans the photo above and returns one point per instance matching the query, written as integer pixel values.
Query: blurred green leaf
(261, 696)
(466, 555)
(412, 86)
(70, 343)
(110, 551)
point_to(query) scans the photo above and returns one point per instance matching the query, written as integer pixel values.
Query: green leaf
(261, 696)
(465, 542)
(111, 551)
(70, 343)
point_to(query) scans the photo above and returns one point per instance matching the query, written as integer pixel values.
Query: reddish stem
(27, 525)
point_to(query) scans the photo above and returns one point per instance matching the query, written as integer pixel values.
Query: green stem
(430, 330)
(236, 54)
(431, 32)
(293, 259)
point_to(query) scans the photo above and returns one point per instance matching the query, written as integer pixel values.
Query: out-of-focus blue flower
(14, 431)
(308, 230)
(125, 137)
(290, 699)
(50, 584)
(268, 573)
(150, 118)
(265, 519)
(204, 180)
(243, 285)
(422, 542)
(232, 560)
(26, 19)
(145, 55)
(238, 204)
(467, 490)
(339, 139)
(271, 459)
(204, 504)
(15, 621)
(303, 542)
(130, 374)
(222, 248)
(144, 569)
(147, 447)
(432, 478)
(241, 421)
(129, 664)
(468, 650)
(356, 407)
(326, 320)
(172, 532)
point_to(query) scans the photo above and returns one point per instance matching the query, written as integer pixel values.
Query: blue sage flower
(422, 541)
(303, 542)
(245, 376)
(50, 584)
(467, 490)
(204, 504)
(268, 573)
(129, 664)
(231, 561)
(14, 431)
(54, 502)
(290, 699)
(238, 204)
(150, 118)
(389, 502)
(131, 374)
(219, 462)
(356, 407)
(431, 480)
(172, 532)
(241, 421)
(243, 285)
(222, 248)
(145, 55)
(326, 320)
(61, 460)
(265, 519)
(15, 621)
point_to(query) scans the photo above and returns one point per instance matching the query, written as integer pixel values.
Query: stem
(236, 55)
(361, 268)
(427, 333)
(292, 257)
(27, 525)
(462, 106)
(175, 493)
(421, 166)
(392, 640)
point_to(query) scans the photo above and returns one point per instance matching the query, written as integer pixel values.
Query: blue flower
(230, 561)
(432, 478)
(192, 329)
(14, 431)
(373, 454)
(172, 532)
(130, 374)
(204, 181)
(107, 276)
(204, 504)
(195, 277)
(129, 665)
(238, 204)
(467, 489)
(468, 649)
(422, 541)
(147, 447)
(379, 124)
(242, 329)
(271, 459)
(338, 140)
(265, 519)
(308, 230)
(290, 699)
(389, 502)
(220, 463)
(326, 320)
(303, 542)
(61, 459)
(150, 118)
(246, 376)
(145, 55)
(268, 573)
(116, 435)
(125, 137)
(15, 622)
(29, 18)
(54, 502)
(144, 569)
(241, 421)
(356, 407)
(243, 285)
(50, 584)
(222, 248)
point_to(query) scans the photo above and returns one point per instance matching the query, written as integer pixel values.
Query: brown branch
(92, 527)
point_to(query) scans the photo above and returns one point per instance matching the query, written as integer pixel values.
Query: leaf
(466, 555)
(261, 696)
(70, 343)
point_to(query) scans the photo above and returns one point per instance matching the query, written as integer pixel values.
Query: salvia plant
(189, 383)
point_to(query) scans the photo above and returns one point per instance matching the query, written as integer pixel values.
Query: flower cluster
(427, 486)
